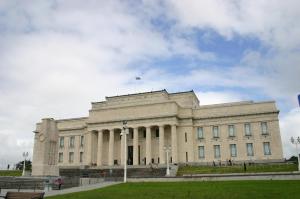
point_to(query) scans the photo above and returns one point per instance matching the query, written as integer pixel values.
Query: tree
(293, 159)
(19, 165)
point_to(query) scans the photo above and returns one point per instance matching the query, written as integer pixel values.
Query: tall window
(233, 150)
(81, 141)
(72, 142)
(61, 142)
(185, 137)
(264, 128)
(200, 132)
(215, 131)
(247, 129)
(231, 131)
(217, 151)
(249, 149)
(71, 157)
(201, 152)
(81, 157)
(60, 157)
(267, 149)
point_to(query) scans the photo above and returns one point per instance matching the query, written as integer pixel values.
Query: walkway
(66, 191)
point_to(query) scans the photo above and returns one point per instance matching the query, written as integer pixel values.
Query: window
(264, 128)
(201, 152)
(267, 149)
(81, 141)
(60, 157)
(81, 157)
(215, 131)
(231, 131)
(72, 142)
(247, 129)
(233, 150)
(71, 157)
(249, 149)
(200, 133)
(144, 133)
(61, 142)
(185, 137)
(217, 151)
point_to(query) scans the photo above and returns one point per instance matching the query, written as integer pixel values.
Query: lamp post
(296, 141)
(124, 133)
(168, 150)
(25, 155)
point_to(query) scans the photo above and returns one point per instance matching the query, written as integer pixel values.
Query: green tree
(19, 165)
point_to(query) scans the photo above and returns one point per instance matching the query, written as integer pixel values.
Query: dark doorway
(130, 155)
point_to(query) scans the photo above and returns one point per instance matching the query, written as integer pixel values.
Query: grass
(236, 169)
(193, 190)
(10, 173)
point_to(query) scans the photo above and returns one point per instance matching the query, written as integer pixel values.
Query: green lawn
(10, 173)
(235, 169)
(193, 190)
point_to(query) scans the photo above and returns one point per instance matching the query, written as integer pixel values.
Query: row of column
(135, 146)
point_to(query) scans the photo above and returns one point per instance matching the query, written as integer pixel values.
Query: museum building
(157, 122)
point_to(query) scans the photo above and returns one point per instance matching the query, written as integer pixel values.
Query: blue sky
(58, 56)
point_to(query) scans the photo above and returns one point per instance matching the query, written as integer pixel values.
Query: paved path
(78, 189)
(65, 191)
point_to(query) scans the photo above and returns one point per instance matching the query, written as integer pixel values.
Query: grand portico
(240, 131)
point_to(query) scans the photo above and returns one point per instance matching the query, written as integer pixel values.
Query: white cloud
(211, 97)
(289, 126)
(276, 22)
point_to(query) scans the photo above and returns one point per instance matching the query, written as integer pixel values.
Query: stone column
(89, 152)
(148, 145)
(135, 146)
(122, 149)
(111, 147)
(174, 144)
(161, 145)
(100, 145)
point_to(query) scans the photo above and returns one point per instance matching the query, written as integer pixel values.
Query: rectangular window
(144, 133)
(249, 149)
(185, 137)
(264, 128)
(215, 131)
(72, 142)
(267, 149)
(201, 152)
(61, 142)
(231, 131)
(71, 157)
(247, 129)
(217, 151)
(233, 150)
(200, 133)
(60, 157)
(81, 141)
(81, 157)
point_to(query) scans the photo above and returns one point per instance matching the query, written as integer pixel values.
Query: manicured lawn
(235, 169)
(193, 190)
(10, 173)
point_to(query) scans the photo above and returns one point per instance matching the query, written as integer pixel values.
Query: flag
(137, 78)
(299, 99)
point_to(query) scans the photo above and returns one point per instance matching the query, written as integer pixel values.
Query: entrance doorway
(130, 155)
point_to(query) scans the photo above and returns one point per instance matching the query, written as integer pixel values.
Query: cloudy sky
(57, 56)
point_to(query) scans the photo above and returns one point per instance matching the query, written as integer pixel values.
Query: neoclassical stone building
(240, 131)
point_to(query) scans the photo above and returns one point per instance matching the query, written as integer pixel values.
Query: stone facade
(238, 132)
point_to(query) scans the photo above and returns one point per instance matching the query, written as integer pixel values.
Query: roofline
(164, 90)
